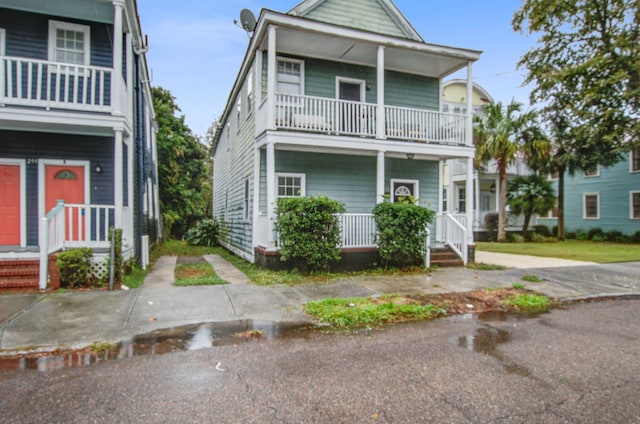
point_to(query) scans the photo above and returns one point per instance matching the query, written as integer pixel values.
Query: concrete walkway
(525, 261)
(73, 319)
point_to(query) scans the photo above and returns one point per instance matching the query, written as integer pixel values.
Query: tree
(181, 166)
(528, 195)
(504, 134)
(586, 72)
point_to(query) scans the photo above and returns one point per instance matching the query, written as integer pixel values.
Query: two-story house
(485, 178)
(342, 99)
(77, 133)
(607, 198)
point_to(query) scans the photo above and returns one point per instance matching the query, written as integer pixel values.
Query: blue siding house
(607, 198)
(342, 99)
(77, 133)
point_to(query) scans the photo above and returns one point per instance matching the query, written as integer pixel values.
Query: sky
(195, 50)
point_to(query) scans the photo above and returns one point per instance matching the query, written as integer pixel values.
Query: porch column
(271, 189)
(380, 177)
(118, 177)
(440, 185)
(476, 180)
(469, 138)
(271, 79)
(256, 198)
(380, 118)
(469, 197)
(130, 90)
(116, 77)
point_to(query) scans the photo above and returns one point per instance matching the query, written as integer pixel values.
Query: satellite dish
(247, 20)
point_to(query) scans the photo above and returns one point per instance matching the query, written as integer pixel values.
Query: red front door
(66, 183)
(10, 213)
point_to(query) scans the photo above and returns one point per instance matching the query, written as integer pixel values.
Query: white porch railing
(358, 230)
(452, 230)
(73, 225)
(342, 117)
(40, 83)
(425, 125)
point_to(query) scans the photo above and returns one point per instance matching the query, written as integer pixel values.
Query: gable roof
(379, 16)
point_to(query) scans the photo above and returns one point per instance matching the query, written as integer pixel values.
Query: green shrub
(570, 235)
(554, 231)
(117, 264)
(309, 231)
(205, 233)
(491, 224)
(581, 235)
(597, 234)
(635, 238)
(538, 238)
(401, 232)
(617, 236)
(75, 267)
(515, 238)
(543, 230)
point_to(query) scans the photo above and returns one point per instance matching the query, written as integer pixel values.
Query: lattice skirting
(100, 266)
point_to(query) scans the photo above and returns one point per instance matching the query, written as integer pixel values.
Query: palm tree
(529, 195)
(503, 134)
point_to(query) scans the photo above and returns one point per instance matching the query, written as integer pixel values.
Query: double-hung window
(69, 43)
(635, 204)
(290, 76)
(290, 185)
(635, 160)
(591, 203)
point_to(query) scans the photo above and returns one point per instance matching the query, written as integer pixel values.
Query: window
(445, 199)
(290, 185)
(595, 172)
(69, 43)
(635, 204)
(462, 199)
(249, 93)
(591, 206)
(290, 77)
(635, 160)
(238, 111)
(246, 200)
(404, 189)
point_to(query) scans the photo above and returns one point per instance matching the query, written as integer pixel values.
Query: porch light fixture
(98, 169)
(410, 156)
(492, 188)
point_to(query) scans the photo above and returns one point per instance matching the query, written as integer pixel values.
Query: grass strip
(196, 275)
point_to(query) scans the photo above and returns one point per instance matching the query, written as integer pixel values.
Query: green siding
(409, 90)
(613, 186)
(320, 78)
(425, 172)
(367, 15)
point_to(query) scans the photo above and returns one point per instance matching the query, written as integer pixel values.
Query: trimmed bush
(635, 238)
(491, 224)
(543, 230)
(401, 232)
(309, 231)
(596, 234)
(538, 238)
(75, 268)
(205, 233)
(515, 238)
(554, 231)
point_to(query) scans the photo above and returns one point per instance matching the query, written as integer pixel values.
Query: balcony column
(271, 189)
(380, 177)
(116, 77)
(118, 176)
(476, 180)
(469, 131)
(272, 68)
(380, 118)
(469, 200)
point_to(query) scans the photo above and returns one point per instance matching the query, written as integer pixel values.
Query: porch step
(444, 257)
(19, 273)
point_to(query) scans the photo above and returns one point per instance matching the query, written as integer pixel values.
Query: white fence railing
(73, 225)
(358, 230)
(424, 125)
(40, 83)
(454, 233)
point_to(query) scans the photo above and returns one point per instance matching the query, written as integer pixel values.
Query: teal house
(607, 198)
(342, 99)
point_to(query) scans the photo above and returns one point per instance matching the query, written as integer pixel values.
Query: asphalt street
(576, 365)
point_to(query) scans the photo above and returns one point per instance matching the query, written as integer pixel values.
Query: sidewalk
(77, 319)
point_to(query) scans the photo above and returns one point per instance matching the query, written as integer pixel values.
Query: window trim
(632, 158)
(85, 29)
(631, 194)
(238, 114)
(303, 183)
(249, 96)
(416, 187)
(290, 60)
(584, 205)
(246, 201)
(355, 81)
(585, 174)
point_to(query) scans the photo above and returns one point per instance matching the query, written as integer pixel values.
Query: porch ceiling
(302, 37)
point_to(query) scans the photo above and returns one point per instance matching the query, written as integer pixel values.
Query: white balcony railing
(358, 230)
(40, 83)
(341, 117)
(452, 230)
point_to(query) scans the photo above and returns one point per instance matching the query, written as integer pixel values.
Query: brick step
(19, 283)
(447, 262)
(445, 257)
(18, 271)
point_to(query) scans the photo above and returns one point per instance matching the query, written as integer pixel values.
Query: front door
(351, 116)
(66, 183)
(404, 190)
(10, 213)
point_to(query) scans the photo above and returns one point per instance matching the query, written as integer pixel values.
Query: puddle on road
(486, 339)
(178, 339)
